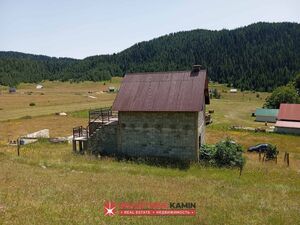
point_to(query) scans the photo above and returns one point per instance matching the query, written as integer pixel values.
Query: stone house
(159, 115)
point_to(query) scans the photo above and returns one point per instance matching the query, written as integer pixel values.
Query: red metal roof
(287, 124)
(289, 112)
(163, 91)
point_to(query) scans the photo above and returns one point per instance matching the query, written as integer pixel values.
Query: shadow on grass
(155, 161)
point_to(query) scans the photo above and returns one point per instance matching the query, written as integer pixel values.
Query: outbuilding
(12, 90)
(163, 114)
(266, 115)
(288, 120)
(111, 89)
(39, 86)
(160, 115)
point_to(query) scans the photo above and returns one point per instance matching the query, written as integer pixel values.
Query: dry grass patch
(55, 97)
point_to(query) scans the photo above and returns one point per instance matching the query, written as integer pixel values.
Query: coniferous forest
(260, 56)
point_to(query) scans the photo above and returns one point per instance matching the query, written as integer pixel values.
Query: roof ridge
(164, 72)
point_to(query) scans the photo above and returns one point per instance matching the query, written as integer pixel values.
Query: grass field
(48, 184)
(55, 97)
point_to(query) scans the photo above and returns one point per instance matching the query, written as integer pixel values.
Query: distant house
(39, 86)
(266, 115)
(288, 120)
(233, 90)
(12, 90)
(111, 89)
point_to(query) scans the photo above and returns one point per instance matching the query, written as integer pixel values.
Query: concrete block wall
(104, 140)
(166, 134)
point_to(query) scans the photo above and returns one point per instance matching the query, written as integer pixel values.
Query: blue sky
(74, 28)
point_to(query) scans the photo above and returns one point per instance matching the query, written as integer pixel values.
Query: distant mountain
(260, 56)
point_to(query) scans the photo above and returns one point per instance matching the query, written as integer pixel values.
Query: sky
(81, 28)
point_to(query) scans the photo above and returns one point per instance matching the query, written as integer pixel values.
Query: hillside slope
(260, 56)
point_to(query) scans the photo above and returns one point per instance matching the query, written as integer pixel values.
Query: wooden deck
(97, 119)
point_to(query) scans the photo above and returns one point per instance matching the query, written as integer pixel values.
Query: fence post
(288, 159)
(284, 159)
(18, 146)
(241, 170)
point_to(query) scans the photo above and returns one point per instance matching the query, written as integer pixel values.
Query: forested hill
(260, 56)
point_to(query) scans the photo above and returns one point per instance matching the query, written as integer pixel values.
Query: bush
(284, 94)
(207, 153)
(225, 153)
(215, 94)
(32, 104)
(271, 152)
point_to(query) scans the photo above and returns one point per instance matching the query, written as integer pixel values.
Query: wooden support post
(85, 146)
(74, 146)
(259, 156)
(264, 157)
(18, 146)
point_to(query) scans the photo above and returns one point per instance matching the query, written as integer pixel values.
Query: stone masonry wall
(166, 134)
(104, 140)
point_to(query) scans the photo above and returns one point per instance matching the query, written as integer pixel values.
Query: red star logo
(109, 208)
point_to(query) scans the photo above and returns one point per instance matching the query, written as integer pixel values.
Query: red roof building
(162, 114)
(182, 91)
(289, 112)
(288, 120)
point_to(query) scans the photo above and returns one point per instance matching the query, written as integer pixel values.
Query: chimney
(196, 68)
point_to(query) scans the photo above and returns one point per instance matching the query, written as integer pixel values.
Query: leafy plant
(226, 153)
(284, 94)
(271, 152)
(207, 153)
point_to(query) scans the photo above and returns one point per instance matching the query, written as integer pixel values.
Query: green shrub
(207, 153)
(225, 153)
(271, 152)
(229, 153)
(32, 104)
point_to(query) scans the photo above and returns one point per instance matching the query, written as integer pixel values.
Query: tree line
(261, 56)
